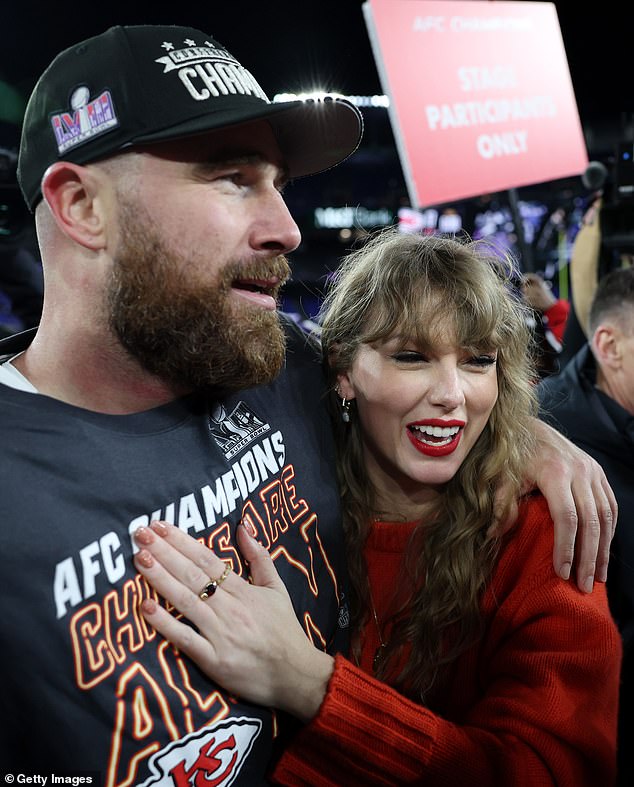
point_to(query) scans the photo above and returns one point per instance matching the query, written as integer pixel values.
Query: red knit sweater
(534, 703)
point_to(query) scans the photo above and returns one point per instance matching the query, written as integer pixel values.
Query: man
(550, 315)
(592, 402)
(156, 386)
(163, 258)
(539, 296)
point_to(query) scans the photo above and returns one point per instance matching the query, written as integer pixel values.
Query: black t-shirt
(87, 685)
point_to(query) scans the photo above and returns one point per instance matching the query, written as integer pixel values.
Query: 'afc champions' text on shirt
(275, 507)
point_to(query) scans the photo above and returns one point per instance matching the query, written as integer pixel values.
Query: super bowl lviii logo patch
(84, 120)
(234, 431)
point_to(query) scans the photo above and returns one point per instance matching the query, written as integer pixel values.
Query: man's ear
(71, 192)
(606, 346)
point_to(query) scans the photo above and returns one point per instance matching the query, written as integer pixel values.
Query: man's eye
(234, 177)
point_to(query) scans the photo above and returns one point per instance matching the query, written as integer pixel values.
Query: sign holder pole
(527, 263)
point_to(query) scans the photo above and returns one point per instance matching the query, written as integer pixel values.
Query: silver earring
(345, 410)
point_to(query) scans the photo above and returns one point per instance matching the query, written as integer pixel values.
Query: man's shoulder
(564, 390)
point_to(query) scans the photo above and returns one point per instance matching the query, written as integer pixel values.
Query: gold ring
(213, 584)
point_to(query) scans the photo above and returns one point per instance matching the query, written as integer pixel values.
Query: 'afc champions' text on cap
(149, 83)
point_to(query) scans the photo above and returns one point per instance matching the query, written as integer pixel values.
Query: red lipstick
(445, 444)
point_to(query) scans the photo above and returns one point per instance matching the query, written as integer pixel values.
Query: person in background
(539, 296)
(584, 271)
(592, 403)
(595, 252)
(585, 263)
(496, 671)
(21, 280)
(548, 319)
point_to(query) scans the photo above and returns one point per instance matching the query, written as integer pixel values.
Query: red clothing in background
(534, 703)
(556, 318)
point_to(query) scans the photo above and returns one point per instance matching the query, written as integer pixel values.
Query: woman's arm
(541, 693)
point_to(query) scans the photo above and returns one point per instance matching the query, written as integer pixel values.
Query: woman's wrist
(305, 694)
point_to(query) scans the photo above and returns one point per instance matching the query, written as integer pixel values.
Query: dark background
(300, 44)
(289, 44)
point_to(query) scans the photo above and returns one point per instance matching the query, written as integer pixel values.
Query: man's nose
(274, 229)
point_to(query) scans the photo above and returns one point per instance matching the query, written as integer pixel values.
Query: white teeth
(438, 431)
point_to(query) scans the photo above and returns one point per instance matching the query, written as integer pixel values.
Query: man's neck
(103, 379)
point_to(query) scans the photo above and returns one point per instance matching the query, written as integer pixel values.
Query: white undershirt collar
(10, 376)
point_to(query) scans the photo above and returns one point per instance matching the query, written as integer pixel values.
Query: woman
(498, 672)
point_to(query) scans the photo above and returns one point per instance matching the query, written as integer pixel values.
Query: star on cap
(189, 42)
(167, 46)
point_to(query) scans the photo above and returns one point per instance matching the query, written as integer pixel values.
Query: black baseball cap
(148, 83)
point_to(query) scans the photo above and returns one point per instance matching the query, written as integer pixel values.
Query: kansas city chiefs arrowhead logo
(211, 755)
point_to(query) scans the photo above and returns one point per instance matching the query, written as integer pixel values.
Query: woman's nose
(446, 389)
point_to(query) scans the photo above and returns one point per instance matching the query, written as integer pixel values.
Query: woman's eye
(482, 360)
(409, 356)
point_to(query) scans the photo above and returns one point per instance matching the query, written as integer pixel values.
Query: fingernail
(588, 584)
(145, 558)
(149, 606)
(564, 571)
(248, 530)
(143, 535)
(602, 575)
(160, 528)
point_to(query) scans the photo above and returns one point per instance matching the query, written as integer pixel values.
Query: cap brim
(313, 136)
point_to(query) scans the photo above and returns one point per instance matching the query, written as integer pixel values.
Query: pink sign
(480, 93)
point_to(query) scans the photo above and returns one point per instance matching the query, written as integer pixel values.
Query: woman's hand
(249, 640)
(581, 503)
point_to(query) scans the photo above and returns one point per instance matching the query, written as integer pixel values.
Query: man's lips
(268, 284)
(258, 291)
(259, 281)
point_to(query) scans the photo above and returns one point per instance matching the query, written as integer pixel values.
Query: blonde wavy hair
(410, 285)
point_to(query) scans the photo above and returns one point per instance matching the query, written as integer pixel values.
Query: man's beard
(189, 333)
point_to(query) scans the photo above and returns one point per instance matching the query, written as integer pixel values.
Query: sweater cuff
(347, 722)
